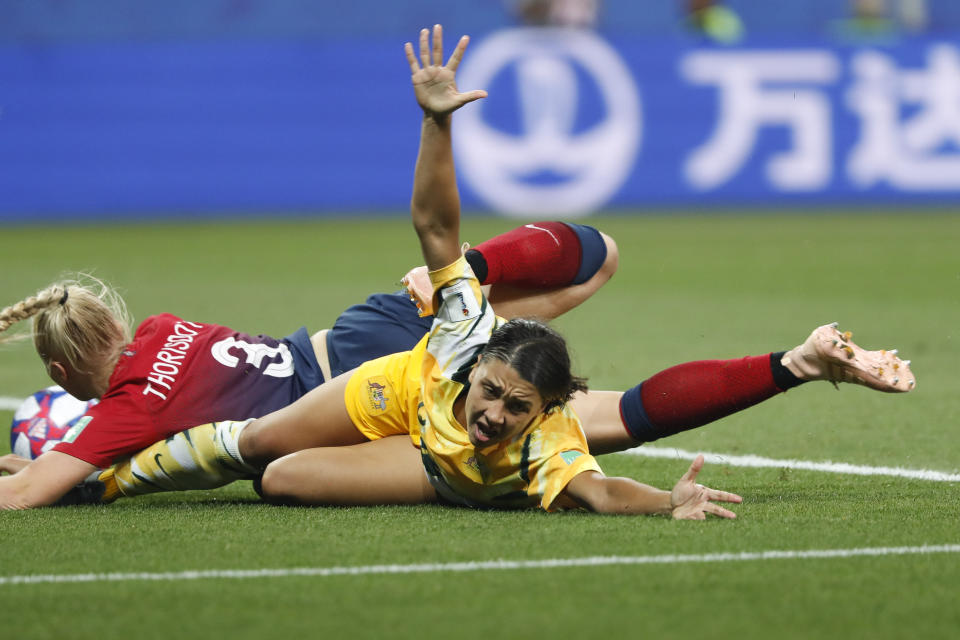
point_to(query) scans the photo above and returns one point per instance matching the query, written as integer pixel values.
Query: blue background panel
(116, 129)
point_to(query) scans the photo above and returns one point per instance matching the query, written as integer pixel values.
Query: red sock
(693, 394)
(540, 254)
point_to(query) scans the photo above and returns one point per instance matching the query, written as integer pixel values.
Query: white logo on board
(912, 149)
(554, 70)
(757, 90)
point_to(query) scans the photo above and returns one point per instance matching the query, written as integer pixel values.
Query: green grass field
(689, 287)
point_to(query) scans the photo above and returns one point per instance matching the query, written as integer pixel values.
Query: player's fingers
(689, 514)
(425, 47)
(457, 54)
(470, 96)
(719, 511)
(723, 496)
(438, 45)
(694, 469)
(411, 58)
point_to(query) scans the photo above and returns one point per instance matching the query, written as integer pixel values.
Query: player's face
(500, 404)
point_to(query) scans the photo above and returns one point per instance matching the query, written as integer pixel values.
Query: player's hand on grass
(433, 82)
(12, 463)
(692, 501)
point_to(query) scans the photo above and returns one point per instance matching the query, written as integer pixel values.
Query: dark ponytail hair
(539, 354)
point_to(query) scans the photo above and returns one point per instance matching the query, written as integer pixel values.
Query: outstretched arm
(43, 481)
(687, 501)
(435, 206)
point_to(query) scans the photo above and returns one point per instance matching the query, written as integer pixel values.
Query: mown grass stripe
(804, 465)
(554, 563)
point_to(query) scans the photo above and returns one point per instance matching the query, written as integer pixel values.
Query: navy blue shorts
(306, 369)
(386, 323)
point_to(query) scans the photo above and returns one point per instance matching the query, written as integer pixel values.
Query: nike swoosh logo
(156, 459)
(533, 226)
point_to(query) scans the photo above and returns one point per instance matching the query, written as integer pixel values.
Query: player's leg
(202, 457)
(542, 269)
(677, 399)
(545, 269)
(215, 454)
(599, 413)
(385, 471)
(318, 419)
(690, 395)
(541, 255)
(513, 301)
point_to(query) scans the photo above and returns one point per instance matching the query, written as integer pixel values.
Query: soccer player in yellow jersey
(486, 403)
(508, 446)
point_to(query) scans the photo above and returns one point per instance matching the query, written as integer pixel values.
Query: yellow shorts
(383, 396)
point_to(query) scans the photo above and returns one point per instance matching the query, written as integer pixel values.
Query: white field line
(805, 465)
(454, 567)
(10, 404)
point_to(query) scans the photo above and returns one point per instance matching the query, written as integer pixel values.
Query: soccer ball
(43, 419)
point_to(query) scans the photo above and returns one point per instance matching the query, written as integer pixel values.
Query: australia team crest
(379, 394)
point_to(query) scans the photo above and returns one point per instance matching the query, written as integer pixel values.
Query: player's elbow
(606, 501)
(626, 496)
(592, 491)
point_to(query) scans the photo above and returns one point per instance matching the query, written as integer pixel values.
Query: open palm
(692, 501)
(433, 81)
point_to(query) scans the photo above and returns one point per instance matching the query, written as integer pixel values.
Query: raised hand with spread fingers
(433, 81)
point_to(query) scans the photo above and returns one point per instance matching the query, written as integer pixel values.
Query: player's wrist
(676, 504)
(438, 119)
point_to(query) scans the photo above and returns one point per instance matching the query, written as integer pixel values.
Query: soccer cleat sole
(843, 360)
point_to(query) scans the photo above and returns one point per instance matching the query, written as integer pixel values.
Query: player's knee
(598, 254)
(279, 483)
(612, 261)
(257, 443)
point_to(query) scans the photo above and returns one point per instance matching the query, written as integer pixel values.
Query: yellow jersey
(414, 393)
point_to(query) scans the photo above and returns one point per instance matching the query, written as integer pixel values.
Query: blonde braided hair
(79, 319)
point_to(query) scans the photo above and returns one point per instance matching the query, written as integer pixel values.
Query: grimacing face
(500, 404)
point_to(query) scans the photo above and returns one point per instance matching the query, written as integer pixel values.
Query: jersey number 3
(255, 354)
